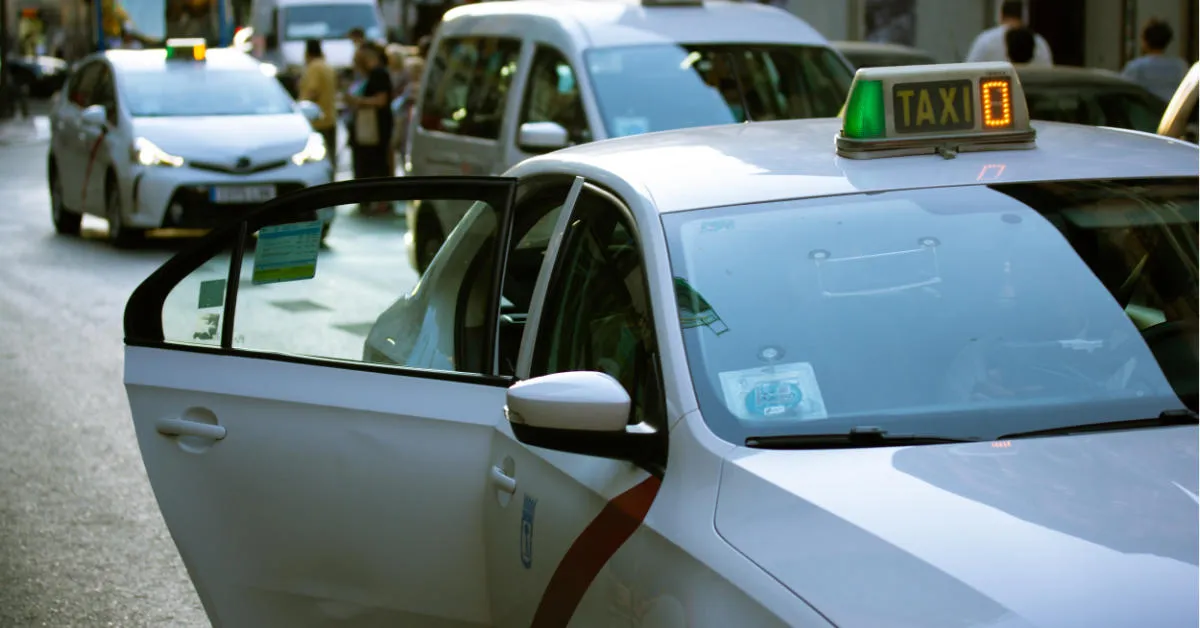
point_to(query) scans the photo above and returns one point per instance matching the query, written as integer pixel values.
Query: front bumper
(165, 197)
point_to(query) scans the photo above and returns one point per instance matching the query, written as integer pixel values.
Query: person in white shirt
(990, 45)
(1155, 70)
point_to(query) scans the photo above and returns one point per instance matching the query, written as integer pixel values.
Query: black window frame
(591, 199)
(540, 50)
(143, 325)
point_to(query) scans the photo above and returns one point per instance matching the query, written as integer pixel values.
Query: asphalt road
(82, 542)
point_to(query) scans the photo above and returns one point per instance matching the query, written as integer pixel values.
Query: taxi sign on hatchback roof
(926, 109)
(190, 49)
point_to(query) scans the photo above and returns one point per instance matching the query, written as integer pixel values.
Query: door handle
(184, 427)
(503, 481)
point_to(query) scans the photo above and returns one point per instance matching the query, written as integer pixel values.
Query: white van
(282, 26)
(509, 80)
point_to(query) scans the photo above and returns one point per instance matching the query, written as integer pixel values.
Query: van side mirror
(541, 137)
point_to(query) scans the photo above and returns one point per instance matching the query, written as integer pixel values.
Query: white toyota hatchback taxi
(929, 366)
(182, 136)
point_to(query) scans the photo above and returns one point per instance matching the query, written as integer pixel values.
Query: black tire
(120, 235)
(66, 221)
(428, 241)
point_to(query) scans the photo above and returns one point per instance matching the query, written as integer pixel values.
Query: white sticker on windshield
(604, 61)
(773, 393)
(631, 125)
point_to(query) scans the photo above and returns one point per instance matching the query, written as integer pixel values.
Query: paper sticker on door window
(212, 293)
(287, 252)
(527, 511)
(631, 125)
(208, 327)
(780, 392)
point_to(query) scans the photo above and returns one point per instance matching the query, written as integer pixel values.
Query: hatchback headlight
(147, 154)
(314, 150)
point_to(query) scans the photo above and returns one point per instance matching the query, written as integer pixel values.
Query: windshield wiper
(1167, 418)
(858, 437)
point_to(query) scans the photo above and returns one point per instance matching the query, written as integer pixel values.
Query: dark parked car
(1089, 96)
(869, 54)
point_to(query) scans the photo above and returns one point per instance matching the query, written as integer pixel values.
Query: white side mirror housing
(94, 115)
(542, 136)
(310, 110)
(579, 401)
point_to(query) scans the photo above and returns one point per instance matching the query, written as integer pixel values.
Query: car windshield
(202, 92)
(966, 312)
(640, 89)
(330, 21)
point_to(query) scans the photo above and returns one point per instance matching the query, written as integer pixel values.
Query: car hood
(1085, 530)
(339, 53)
(220, 139)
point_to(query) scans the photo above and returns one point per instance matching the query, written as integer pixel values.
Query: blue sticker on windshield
(770, 393)
(527, 531)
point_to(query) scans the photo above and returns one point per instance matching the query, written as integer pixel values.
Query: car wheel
(66, 221)
(429, 242)
(120, 235)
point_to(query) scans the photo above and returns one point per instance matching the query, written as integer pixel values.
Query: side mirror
(542, 137)
(94, 115)
(582, 412)
(310, 110)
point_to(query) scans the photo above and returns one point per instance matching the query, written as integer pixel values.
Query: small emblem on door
(243, 163)
(527, 531)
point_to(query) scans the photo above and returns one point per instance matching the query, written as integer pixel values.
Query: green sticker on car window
(287, 252)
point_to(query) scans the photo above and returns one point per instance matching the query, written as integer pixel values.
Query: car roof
(604, 23)
(155, 58)
(767, 161)
(1071, 75)
(879, 47)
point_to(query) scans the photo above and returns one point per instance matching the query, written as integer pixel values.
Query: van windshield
(658, 87)
(330, 21)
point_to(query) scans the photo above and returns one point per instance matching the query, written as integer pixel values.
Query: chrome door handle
(503, 481)
(184, 427)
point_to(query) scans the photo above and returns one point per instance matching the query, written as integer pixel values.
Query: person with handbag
(371, 118)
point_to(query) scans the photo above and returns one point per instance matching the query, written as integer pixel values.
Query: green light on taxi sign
(864, 112)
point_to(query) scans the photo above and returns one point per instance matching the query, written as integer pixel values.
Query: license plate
(240, 194)
(933, 106)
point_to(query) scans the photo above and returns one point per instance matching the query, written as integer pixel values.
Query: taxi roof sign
(190, 49)
(934, 109)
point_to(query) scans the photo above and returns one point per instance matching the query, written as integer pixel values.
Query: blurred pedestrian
(402, 107)
(31, 33)
(1021, 44)
(319, 85)
(357, 36)
(398, 73)
(1155, 70)
(990, 45)
(371, 126)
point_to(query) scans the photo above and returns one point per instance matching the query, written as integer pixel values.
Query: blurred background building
(1096, 33)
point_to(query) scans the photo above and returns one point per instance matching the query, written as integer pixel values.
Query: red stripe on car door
(619, 519)
(87, 173)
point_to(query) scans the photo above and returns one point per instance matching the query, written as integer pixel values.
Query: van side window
(468, 85)
(553, 95)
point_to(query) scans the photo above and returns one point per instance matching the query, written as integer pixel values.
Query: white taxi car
(182, 136)
(931, 366)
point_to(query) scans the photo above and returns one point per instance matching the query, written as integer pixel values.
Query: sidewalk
(18, 131)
